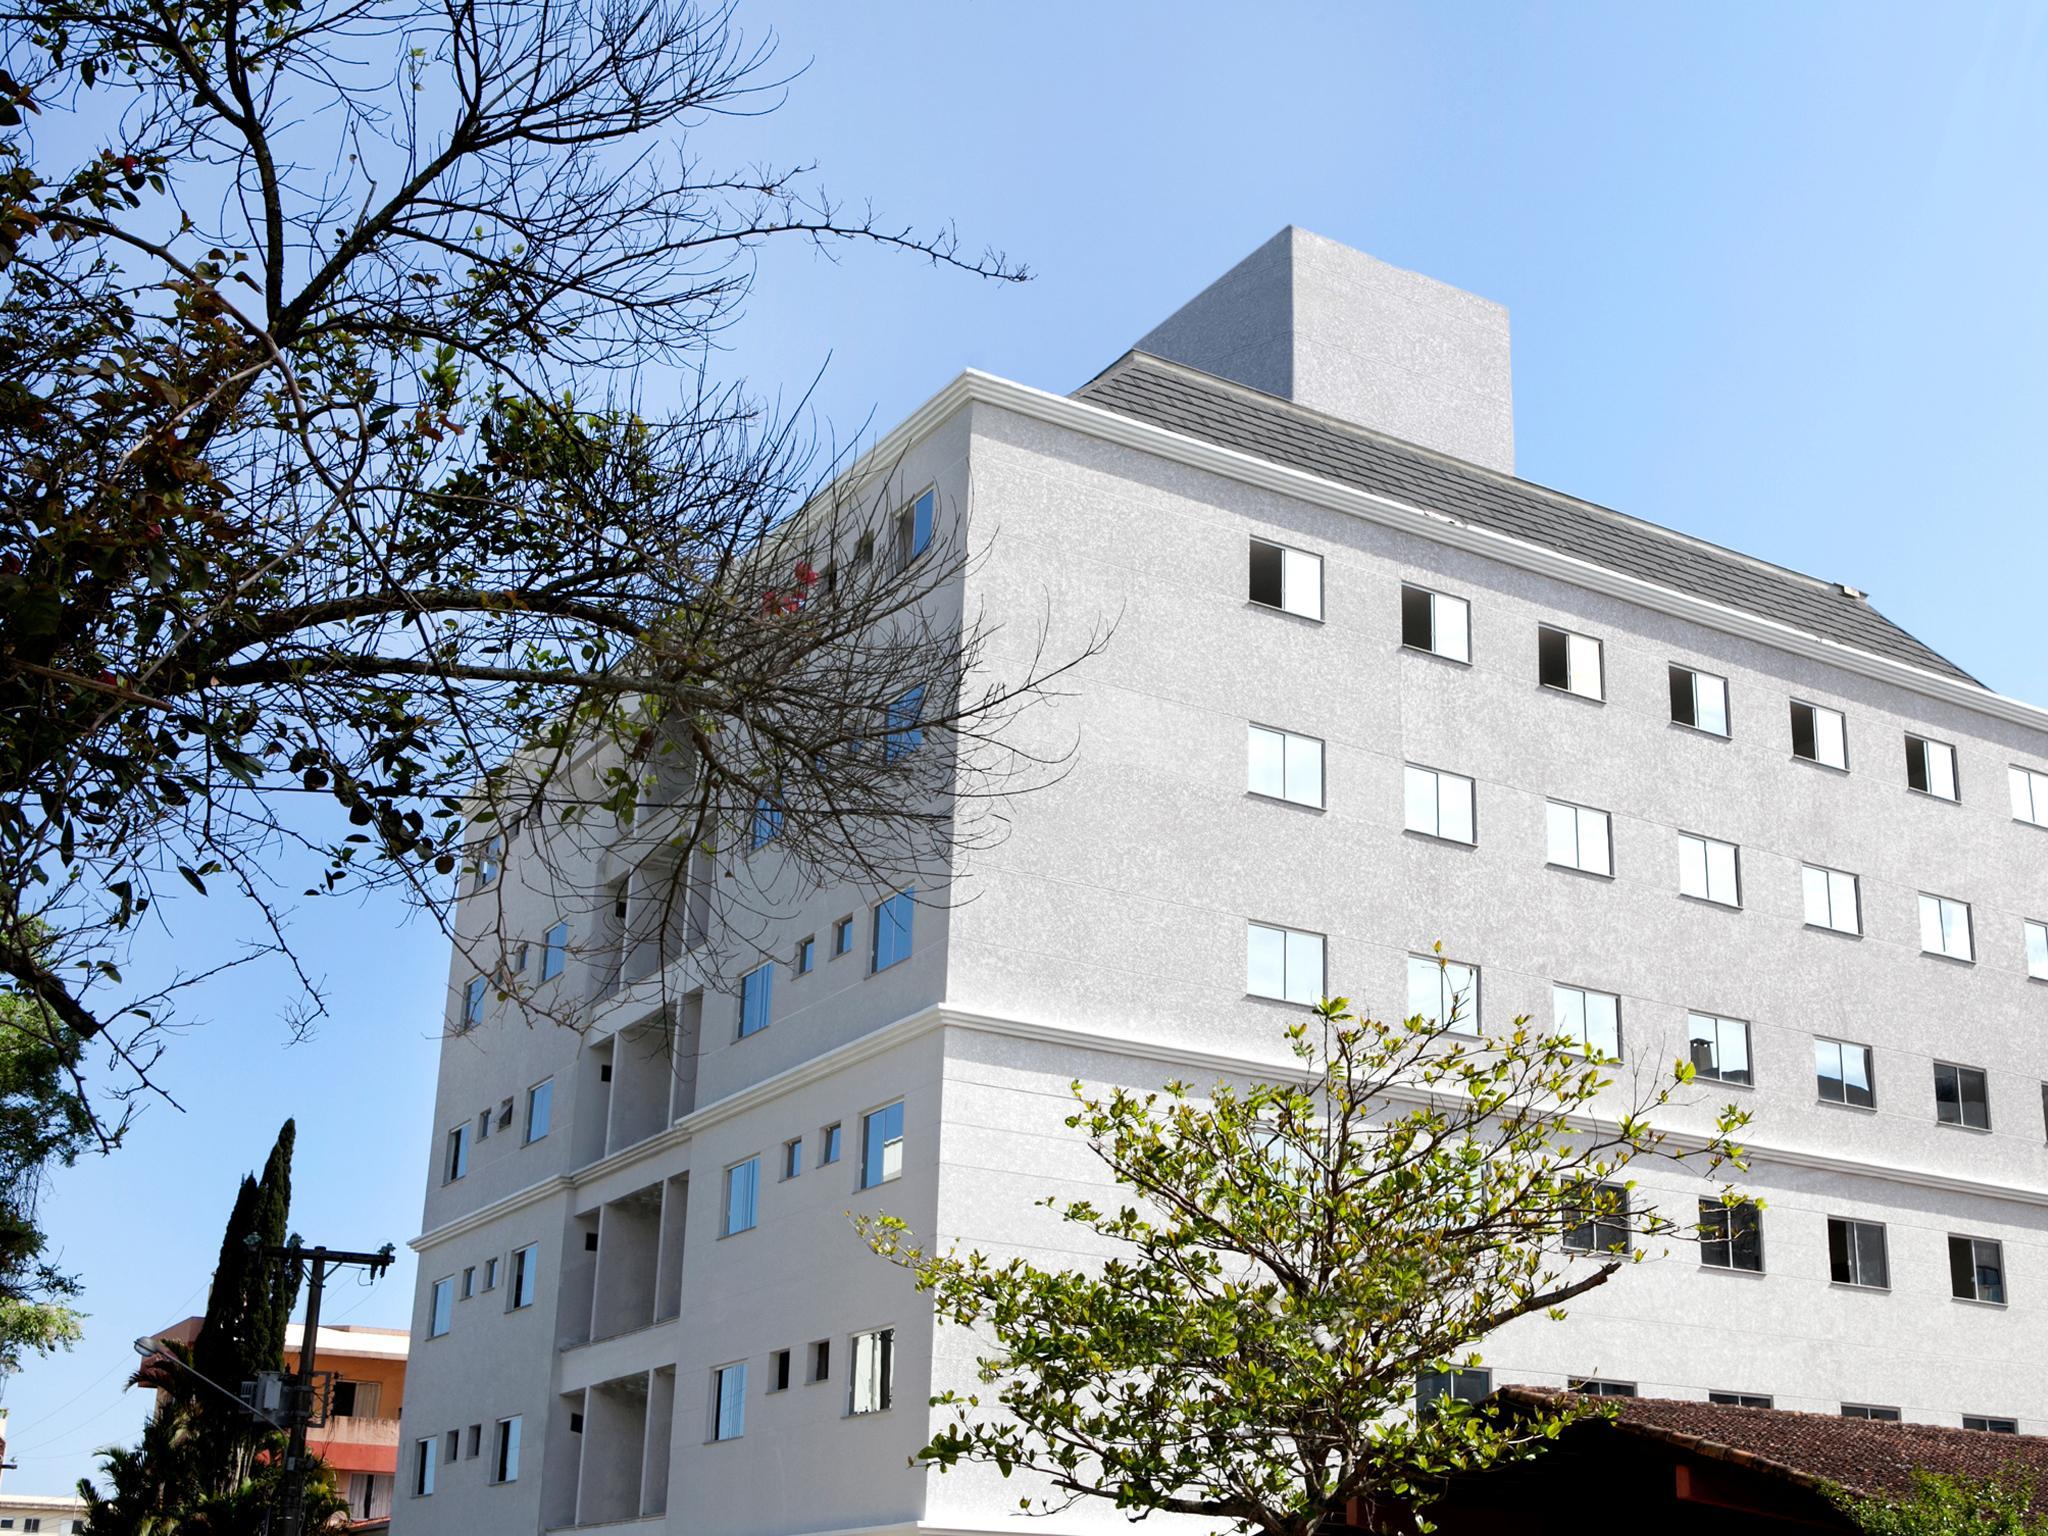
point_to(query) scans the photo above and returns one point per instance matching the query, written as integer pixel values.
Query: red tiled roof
(1865, 1456)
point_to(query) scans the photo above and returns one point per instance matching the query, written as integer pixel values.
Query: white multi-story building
(1366, 691)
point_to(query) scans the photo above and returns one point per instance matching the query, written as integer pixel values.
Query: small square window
(806, 955)
(1283, 766)
(1283, 963)
(1436, 623)
(892, 930)
(1945, 927)
(1856, 1254)
(1709, 870)
(881, 1146)
(842, 937)
(1931, 768)
(1444, 993)
(1719, 1048)
(1438, 804)
(756, 999)
(870, 1380)
(1732, 1236)
(1867, 1411)
(1962, 1096)
(1976, 1269)
(742, 1196)
(554, 952)
(1699, 700)
(828, 1145)
(1820, 735)
(1603, 1226)
(1459, 1384)
(1842, 1072)
(1288, 579)
(1592, 1020)
(1579, 837)
(1831, 899)
(1568, 662)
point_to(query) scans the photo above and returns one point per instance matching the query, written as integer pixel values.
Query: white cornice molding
(924, 1021)
(974, 387)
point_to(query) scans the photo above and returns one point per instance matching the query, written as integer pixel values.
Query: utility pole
(300, 1399)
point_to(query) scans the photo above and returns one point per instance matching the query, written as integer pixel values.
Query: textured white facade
(1105, 939)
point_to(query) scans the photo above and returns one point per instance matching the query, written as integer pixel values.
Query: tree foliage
(1292, 1256)
(1941, 1504)
(357, 440)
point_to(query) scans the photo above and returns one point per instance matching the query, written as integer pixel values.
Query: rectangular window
(458, 1153)
(540, 1110)
(525, 1276)
(468, 1281)
(902, 735)
(1444, 992)
(1579, 838)
(793, 1158)
(441, 1308)
(1945, 927)
(1568, 662)
(1739, 1399)
(476, 1441)
(729, 1402)
(2029, 795)
(1433, 622)
(870, 1380)
(490, 1274)
(1709, 870)
(766, 825)
(422, 1468)
(1989, 1425)
(1283, 963)
(1866, 1411)
(1719, 1047)
(1438, 804)
(914, 528)
(1732, 1237)
(806, 955)
(1591, 1019)
(1842, 1073)
(1700, 700)
(778, 1371)
(1976, 1269)
(881, 1146)
(1962, 1096)
(892, 930)
(821, 1361)
(473, 997)
(554, 951)
(1593, 1386)
(828, 1150)
(1856, 1254)
(1820, 735)
(1831, 899)
(742, 1196)
(483, 1126)
(490, 856)
(842, 936)
(451, 1445)
(1604, 1227)
(505, 1457)
(1284, 766)
(1461, 1384)
(1287, 579)
(1931, 767)
(756, 989)
(2037, 949)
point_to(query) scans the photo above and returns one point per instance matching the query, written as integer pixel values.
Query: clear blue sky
(1776, 277)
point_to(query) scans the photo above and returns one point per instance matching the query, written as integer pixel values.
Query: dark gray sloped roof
(1198, 405)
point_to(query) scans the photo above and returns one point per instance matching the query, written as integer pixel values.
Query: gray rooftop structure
(1185, 400)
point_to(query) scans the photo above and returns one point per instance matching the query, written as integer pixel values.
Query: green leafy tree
(1292, 1256)
(1941, 1504)
(356, 438)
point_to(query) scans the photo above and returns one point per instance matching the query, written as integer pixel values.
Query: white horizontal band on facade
(925, 1020)
(973, 386)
